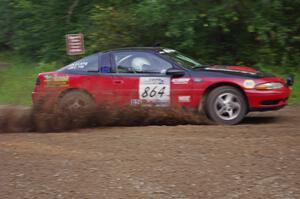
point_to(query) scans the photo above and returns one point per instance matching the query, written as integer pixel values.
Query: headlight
(269, 86)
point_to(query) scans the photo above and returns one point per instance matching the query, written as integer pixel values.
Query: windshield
(181, 59)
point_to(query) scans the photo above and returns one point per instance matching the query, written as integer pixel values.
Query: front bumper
(268, 100)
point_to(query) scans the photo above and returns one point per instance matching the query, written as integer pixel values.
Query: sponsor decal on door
(181, 81)
(155, 90)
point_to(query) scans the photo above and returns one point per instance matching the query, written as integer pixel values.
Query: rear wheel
(226, 105)
(75, 109)
(75, 102)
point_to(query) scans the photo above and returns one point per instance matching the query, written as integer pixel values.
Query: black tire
(226, 105)
(75, 110)
(75, 102)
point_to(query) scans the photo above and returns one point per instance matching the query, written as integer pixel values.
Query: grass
(17, 79)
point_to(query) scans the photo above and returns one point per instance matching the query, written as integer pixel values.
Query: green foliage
(111, 28)
(6, 23)
(277, 29)
(223, 32)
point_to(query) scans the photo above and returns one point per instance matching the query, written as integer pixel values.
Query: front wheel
(226, 105)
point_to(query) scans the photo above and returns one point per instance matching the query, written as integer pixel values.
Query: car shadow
(260, 120)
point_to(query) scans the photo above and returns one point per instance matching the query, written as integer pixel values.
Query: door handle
(118, 82)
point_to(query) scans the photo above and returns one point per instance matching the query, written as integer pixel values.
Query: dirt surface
(259, 158)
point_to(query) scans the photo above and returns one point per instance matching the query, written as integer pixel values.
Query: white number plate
(155, 90)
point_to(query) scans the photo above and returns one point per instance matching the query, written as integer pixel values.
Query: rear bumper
(44, 99)
(268, 100)
(34, 96)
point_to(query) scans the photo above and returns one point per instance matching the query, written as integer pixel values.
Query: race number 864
(153, 92)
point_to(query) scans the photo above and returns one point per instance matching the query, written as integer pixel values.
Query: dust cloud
(34, 119)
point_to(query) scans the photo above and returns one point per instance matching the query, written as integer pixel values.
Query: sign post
(75, 44)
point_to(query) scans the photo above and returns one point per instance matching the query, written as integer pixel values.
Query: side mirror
(175, 72)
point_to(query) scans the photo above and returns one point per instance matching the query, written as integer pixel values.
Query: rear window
(86, 64)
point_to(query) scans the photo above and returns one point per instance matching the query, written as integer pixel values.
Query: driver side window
(140, 62)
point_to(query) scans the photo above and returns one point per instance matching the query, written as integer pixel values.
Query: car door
(93, 75)
(141, 79)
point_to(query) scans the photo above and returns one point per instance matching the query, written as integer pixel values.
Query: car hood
(236, 71)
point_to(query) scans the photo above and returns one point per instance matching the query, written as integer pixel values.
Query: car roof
(138, 48)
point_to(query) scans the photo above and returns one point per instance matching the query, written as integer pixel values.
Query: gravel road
(259, 158)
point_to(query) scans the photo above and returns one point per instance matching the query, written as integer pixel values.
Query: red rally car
(157, 76)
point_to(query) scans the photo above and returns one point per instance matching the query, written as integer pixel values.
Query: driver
(139, 64)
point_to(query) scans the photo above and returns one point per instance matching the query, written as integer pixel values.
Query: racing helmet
(138, 63)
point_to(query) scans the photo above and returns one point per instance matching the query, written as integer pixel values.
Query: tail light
(38, 82)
